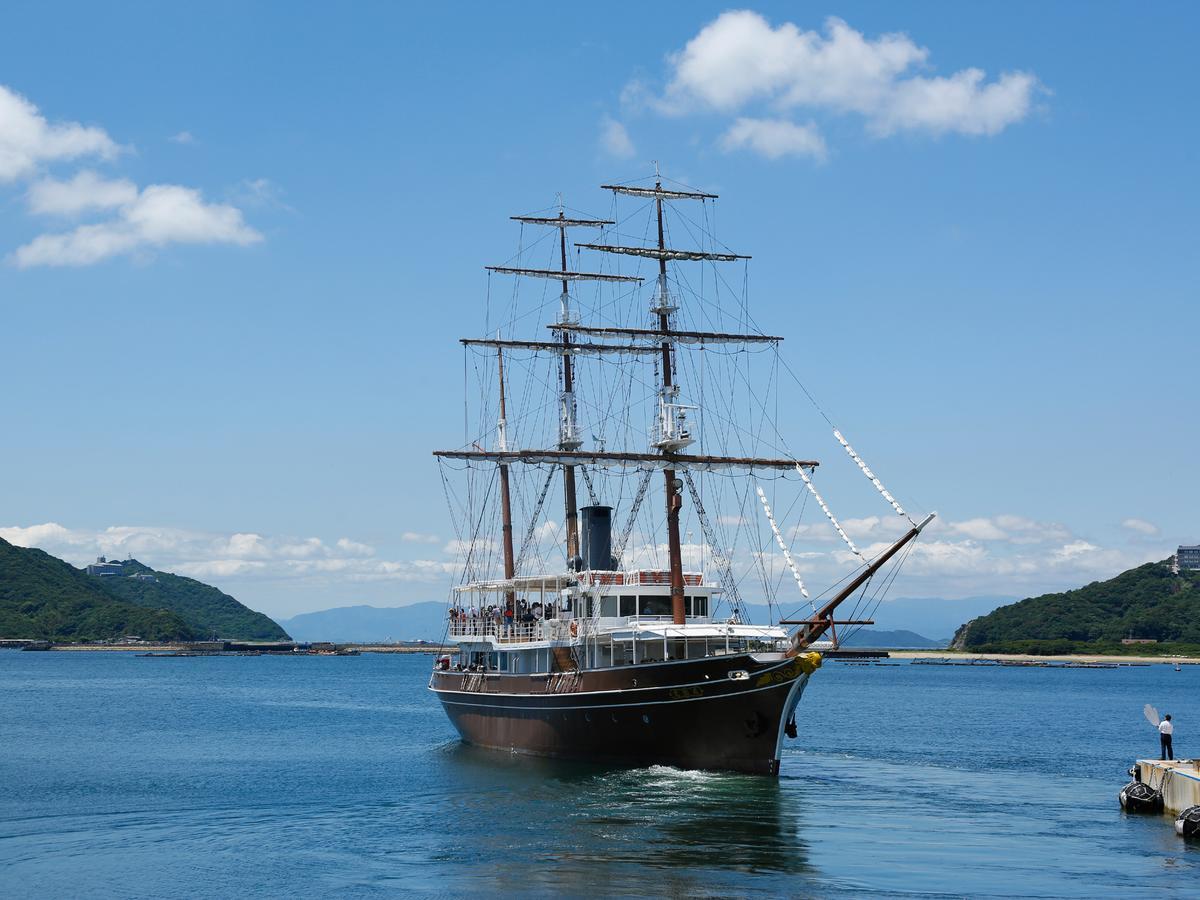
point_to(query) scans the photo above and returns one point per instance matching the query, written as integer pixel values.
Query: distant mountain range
(427, 622)
(1148, 602)
(364, 624)
(45, 598)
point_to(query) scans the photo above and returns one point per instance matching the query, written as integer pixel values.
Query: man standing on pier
(1165, 730)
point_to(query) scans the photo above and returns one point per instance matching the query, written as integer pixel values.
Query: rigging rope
(587, 480)
(623, 538)
(533, 520)
(720, 560)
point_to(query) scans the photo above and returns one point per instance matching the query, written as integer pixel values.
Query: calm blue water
(131, 777)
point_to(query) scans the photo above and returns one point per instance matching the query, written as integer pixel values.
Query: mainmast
(673, 486)
(672, 433)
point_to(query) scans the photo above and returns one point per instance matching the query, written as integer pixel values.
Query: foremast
(568, 427)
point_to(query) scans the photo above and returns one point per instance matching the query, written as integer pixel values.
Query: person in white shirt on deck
(1165, 730)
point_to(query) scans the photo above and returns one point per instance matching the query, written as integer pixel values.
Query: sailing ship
(594, 642)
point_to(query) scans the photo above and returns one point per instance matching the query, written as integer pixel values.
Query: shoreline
(1031, 657)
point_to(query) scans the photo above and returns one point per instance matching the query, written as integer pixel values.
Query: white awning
(523, 583)
(712, 631)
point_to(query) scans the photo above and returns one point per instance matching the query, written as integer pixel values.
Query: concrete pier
(1178, 780)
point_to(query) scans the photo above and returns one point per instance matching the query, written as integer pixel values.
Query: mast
(568, 429)
(568, 432)
(505, 505)
(673, 486)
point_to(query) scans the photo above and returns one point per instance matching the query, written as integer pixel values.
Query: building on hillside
(143, 576)
(1188, 557)
(103, 567)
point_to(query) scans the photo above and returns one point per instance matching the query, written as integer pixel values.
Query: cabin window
(655, 606)
(700, 606)
(628, 606)
(608, 606)
(687, 606)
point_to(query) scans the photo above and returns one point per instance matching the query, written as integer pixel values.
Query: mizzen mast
(505, 504)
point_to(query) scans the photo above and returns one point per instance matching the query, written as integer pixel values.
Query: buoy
(1138, 797)
(1188, 823)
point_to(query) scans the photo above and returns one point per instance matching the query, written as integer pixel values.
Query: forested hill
(1146, 602)
(208, 611)
(44, 598)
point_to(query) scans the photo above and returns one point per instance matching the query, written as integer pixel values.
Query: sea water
(127, 776)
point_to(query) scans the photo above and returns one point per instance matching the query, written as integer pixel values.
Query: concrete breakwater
(1178, 780)
(983, 658)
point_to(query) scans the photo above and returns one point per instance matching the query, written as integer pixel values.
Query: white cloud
(245, 545)
(27, 140)
(182, 137)
(138, 219)
(739, 60)
(204, 555)
(775, 138)
(1141, 526)
(36, 535)
(1073, 550)
(961, 103)
(416, 537)
(979, 529)
(160, 214)
(354, 548)
(86, 192)
(615, 140)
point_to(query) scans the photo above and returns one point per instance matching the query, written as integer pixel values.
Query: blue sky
(238, 367)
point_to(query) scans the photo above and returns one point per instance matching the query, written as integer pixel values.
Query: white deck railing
(515, 633)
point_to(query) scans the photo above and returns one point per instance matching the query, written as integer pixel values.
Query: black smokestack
(596, 537)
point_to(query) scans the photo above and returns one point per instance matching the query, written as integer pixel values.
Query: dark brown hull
(690, 714)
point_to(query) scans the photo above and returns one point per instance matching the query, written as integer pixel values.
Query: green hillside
(203, 607)
(44, 598)
(1146, 602)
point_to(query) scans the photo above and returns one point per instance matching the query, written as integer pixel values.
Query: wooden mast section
(505, 504)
